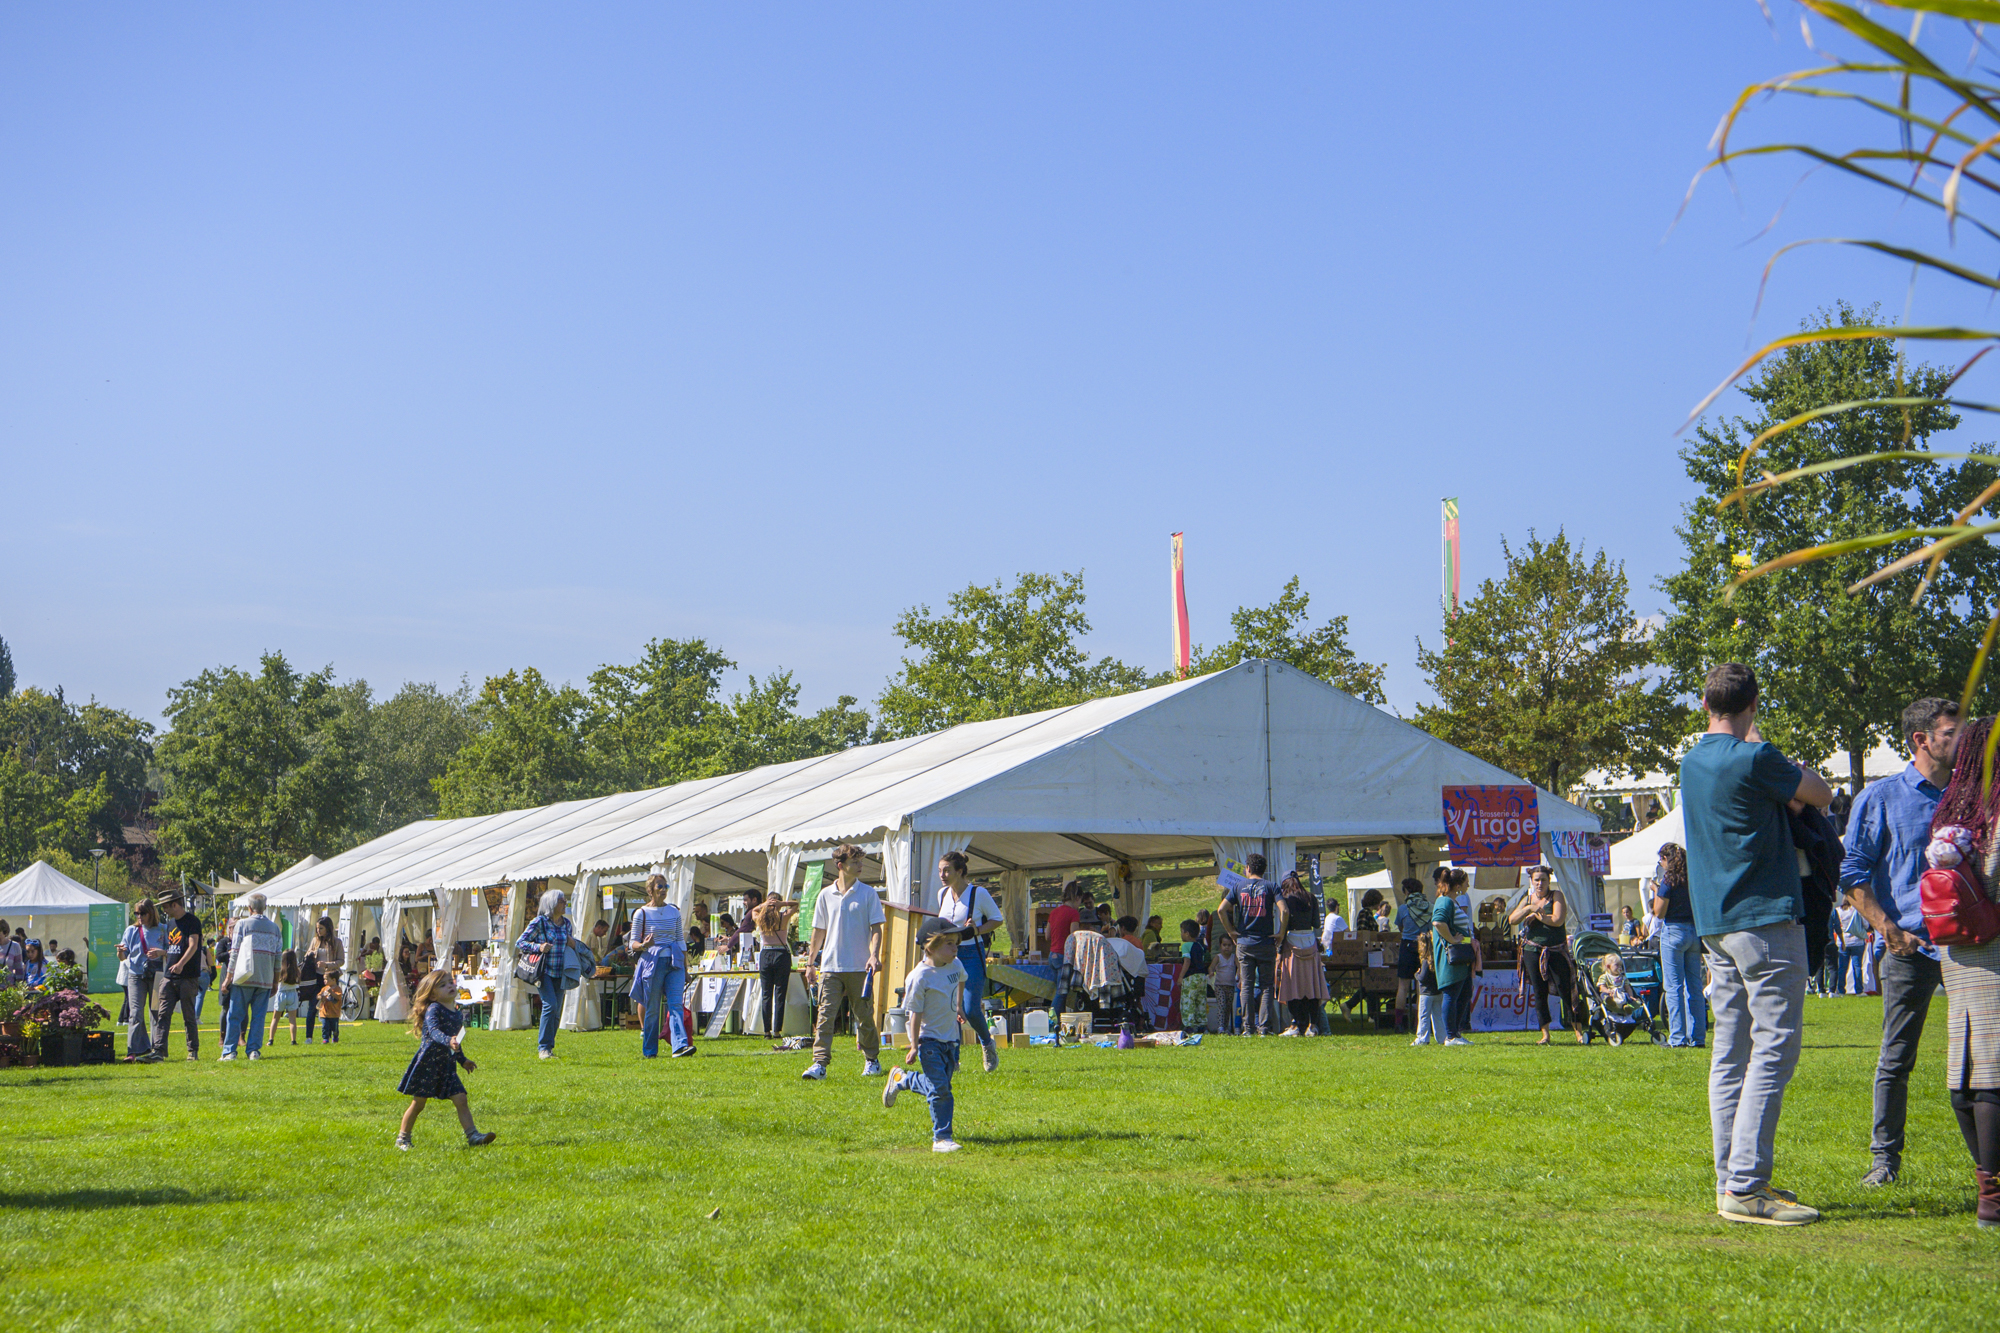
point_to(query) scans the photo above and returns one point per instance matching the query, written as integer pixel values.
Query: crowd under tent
(1259, 757)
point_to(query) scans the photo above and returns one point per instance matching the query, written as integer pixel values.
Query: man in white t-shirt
(846, 952)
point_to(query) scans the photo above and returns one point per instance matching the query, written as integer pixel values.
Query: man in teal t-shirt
(1743, 884)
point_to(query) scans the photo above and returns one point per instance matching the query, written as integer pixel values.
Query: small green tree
(660, 720)
(764, 726)
(1282, 632)
(408, 741)
(1836, 662)
(260, 770)
(1542, 674)
(532, 748)
(6, 669)
(999, 653)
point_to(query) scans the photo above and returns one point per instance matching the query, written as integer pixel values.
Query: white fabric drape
(1234, 849)
(348, 945)
(1396, 860)
(1281, 856)
(781, 864)
(583, 1008)
(1016, 909)
(444, 933)
(510, 1005)
(391, 1005)
(680, 886)
(1119, 886)
(929, 847)
(896, 853)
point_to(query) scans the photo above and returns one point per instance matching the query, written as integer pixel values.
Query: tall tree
(765, 726)
(1542, 674)
(532, 748)
(660, 720)
(81, 748)
(6, 669)
(1000, 652)
(1282, 632)
(260, 770)
(1836, 667)
(408, 741)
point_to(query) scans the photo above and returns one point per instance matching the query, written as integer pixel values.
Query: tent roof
(1257, 751)
(43, 888)
(1635, 857)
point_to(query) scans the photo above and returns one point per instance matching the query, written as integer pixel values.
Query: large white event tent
(50, 905)
(1257, 757)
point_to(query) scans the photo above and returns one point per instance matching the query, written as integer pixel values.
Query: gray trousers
(1908, 984)
(138, 1041)
(1758, 992)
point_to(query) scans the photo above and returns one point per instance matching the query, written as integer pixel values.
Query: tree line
(1546, 670)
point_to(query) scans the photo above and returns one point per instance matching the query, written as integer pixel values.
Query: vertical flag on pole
(1182, 648)
(1450, 560)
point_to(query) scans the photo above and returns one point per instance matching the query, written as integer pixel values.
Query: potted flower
(59, 1019)
(11, 999)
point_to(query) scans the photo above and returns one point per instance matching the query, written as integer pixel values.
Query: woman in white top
(971, 909)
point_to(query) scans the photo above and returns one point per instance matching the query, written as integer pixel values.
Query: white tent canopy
(42, 889)
(1635, 857)
(1259, 751)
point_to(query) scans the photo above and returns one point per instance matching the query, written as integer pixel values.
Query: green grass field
(1347, 1182)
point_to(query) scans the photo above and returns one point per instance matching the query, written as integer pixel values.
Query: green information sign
(107, 924)
(815, 876)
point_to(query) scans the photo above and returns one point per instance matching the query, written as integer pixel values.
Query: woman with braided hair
(1972, 972)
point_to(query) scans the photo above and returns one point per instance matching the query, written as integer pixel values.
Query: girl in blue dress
(433, 1071)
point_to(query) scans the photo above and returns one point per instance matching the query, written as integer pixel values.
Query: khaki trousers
(833, 988)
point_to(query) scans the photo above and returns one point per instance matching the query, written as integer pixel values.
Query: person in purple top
(1887, 830)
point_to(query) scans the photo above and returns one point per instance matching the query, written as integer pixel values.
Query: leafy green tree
(1282, 632)
(38, 819)
(764, 726)
(999, 653)
(1543, 672)
(260, 770)
(532, 748)
(408, 741)
(660, 720)
(6, 669)
(76, 746)
(1836, 666)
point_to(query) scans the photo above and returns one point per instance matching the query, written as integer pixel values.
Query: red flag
(1182, 647)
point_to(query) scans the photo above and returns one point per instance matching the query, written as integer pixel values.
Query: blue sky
(438, 340)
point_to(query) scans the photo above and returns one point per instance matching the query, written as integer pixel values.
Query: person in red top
(1062, 920)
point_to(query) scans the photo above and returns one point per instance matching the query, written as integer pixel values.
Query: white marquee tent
(51, 905)
(1256, 757)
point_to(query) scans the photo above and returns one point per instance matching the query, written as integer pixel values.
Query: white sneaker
(226, 1055)
(814, 1071)
(256, 1055)
(892, 1087)
(1421, 1041)
(1456, 1041)
(1289, 1032)
(944, 1145)
(873, 1069)
(546, 1055)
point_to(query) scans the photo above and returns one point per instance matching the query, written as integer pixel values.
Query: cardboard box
(1348, 952)
(1020, 1040)
(1389, 940)
(1379, 979)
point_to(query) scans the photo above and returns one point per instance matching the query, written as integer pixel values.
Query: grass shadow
(77, 1201)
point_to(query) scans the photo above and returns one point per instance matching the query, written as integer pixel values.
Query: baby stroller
(1615, 1019)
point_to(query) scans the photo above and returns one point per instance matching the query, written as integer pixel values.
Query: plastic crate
(98, 1049)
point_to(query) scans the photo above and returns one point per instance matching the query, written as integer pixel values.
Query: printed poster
(1232, 874)
(1493, 826)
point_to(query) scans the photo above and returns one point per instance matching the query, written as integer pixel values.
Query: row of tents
(1259, 757)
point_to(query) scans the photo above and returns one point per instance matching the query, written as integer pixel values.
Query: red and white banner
(1163, 995)
(1493, 826)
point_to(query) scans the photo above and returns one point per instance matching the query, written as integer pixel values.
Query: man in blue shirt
(1886, 833)
(1251, 914)
(1743, 885)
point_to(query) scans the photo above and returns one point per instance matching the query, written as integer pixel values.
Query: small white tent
(1633, 859)
(50, 905)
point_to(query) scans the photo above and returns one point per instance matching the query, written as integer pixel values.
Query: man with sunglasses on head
(845, 954)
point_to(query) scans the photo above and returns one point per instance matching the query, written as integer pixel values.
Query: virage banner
(1493, 826)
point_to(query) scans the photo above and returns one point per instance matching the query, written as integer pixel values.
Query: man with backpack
(1887, 831)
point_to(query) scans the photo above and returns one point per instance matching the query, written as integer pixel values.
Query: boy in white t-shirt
(931, 998)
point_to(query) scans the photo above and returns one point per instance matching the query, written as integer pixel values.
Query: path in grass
(1330, 1183)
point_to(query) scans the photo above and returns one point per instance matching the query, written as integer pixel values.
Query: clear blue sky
(446, 339)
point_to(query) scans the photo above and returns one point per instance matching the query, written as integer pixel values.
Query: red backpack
(1956, 908)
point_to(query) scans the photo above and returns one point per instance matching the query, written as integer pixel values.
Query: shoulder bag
(532, 970)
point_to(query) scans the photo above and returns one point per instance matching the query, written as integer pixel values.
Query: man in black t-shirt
(1251, 914)
(180, 975)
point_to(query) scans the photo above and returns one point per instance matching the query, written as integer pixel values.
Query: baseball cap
(933, 927)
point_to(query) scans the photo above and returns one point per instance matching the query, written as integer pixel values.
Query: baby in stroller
(1619, 1011)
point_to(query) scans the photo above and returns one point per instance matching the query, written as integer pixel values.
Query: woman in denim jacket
(550, 939)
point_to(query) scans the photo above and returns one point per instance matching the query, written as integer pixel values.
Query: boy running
(930, 996)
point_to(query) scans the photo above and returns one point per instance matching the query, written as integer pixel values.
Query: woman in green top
(1449, 926)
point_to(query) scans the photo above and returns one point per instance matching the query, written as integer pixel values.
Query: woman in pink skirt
(1301, 973)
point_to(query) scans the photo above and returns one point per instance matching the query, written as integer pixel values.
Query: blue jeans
(973, 959)
(669, 988)
(552, 1003)
(1680, 966)
(1847, 972)
(939, 1061)
(250, 1001)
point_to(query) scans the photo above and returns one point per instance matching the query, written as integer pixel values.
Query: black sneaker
(1883, 1174)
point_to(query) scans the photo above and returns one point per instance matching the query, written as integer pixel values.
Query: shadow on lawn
(1068, 1136)
(81, 1201)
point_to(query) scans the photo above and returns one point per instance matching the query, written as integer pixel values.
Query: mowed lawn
(1348, 1182)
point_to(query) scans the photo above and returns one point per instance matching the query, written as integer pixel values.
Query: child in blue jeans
(930, 996)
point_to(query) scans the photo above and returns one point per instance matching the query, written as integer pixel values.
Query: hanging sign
(1568, 842)
(815, 876)
(1492, 826)
(1318, 883)
(1600, 855)
(1232, 874)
